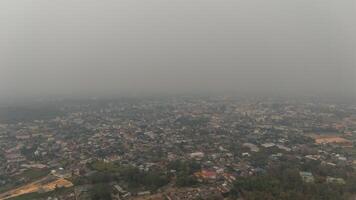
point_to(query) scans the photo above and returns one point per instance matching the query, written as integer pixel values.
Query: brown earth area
(45, 184)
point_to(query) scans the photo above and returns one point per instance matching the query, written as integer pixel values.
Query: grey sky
(102, 47)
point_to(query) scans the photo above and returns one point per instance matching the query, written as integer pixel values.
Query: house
(143, 193)
(206, 175)
(307, 177)
(197, 155)
(252, 147)
(268, 145)
(340, 181)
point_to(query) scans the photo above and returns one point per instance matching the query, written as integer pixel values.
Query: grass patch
(34, 173)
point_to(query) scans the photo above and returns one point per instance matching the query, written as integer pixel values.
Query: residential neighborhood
(178, 148)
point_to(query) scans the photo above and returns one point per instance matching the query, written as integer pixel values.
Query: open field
(46, 184)
(322, 140)
(29, 175)
(36, 195)
(332, 139)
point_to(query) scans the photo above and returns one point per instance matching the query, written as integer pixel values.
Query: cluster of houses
(223, 135)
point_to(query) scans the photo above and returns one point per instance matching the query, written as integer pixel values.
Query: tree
(100, 191)
(185, 180)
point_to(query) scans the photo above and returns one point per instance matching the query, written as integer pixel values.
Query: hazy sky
(102, 47)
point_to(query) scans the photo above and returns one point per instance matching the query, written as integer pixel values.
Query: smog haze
(102, 48)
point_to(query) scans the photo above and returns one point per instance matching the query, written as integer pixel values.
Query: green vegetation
(100, 191)
(184, 180)
(7, 187)
(134, 177)
(188, 167)
(32, 174)
(23, 178)
(286, 184)
(105, 167)
(28, 152)
(184, 172)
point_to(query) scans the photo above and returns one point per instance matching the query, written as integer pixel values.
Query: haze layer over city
(72, 48)
(177, 100)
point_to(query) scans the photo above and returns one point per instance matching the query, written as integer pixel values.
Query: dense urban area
(174, 148)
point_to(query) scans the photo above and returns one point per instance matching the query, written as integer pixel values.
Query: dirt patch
(43, 185)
